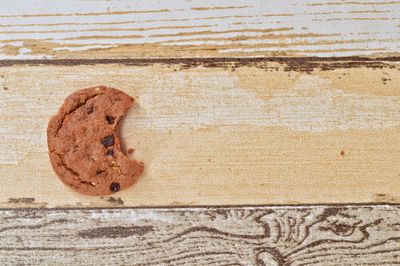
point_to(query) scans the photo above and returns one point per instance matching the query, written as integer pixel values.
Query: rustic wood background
(247, 103)
(312, 235)
(219, 131)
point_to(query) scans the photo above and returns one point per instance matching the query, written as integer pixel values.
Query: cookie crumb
(5, 88)
(108, 141)
(342, 152)
(130, 150)
(114, 187)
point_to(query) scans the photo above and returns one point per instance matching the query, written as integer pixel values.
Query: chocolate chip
(115, 187)
(110, 119)
(108, 141)
(110, 153)
(90, 109)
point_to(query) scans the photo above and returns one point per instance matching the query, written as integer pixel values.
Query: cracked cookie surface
(84, 143)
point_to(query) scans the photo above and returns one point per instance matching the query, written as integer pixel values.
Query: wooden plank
(217, 131)
(178, 28)
(308, 235)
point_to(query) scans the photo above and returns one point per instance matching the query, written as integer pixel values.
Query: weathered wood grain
(178, 28)
(217, 131)
(210, 131)
(312, 235)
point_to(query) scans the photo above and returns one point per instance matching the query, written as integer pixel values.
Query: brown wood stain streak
(115, 231)
(240, 37)
(110, 29)
(354, 3)
(86, 14)
(219, 7)
(302, 64)
(23, 203)
(21, 200)
(304, 235)
(293, 44)
(219, 32)
(96, 37)
(21, 227)
(126, 22)
(340, 19)
(244, 37)
(279, 15)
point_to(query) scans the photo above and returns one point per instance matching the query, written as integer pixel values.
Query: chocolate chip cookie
(84, 143)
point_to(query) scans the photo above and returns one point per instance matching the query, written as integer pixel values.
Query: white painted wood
(81, 28)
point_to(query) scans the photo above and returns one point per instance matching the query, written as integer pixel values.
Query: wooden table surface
(269, 131)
